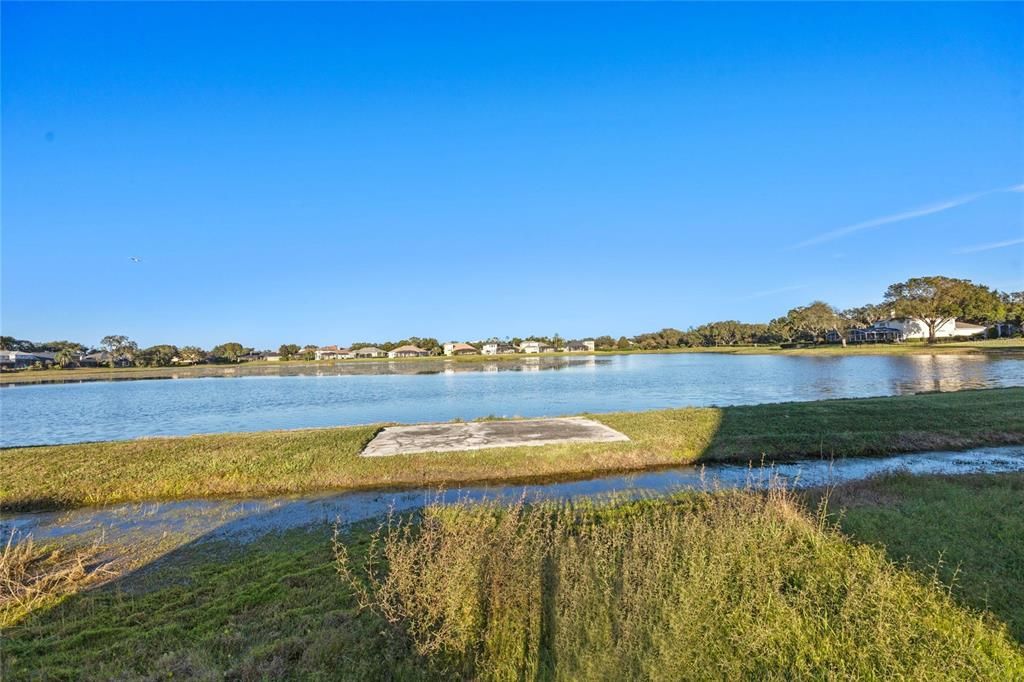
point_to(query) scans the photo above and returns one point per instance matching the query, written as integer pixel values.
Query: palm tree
(65, 357)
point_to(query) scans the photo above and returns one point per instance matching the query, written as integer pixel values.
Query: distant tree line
(934, 300)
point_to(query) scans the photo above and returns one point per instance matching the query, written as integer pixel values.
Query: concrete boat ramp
(406, 440)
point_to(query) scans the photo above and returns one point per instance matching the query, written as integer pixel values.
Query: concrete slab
(405, 440)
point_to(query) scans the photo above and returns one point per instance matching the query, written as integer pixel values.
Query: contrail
(904, 215)
(988, 247)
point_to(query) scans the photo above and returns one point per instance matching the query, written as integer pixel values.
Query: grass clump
(724, 586)
(38, 576)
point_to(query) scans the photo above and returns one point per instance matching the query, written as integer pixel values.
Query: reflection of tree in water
(920, 373)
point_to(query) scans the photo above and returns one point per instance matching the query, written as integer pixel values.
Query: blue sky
(324, 173)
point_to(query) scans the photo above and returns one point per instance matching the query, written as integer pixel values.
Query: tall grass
(725, 586)
(33, 576)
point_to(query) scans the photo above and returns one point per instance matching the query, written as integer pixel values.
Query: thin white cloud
(919, 212)
(772, 292)
(988, 247)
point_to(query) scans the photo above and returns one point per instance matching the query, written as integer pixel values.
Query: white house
(913, 328)
(536, 347)
(332, 353)
(498, 348)
(586, 346)
(453, 348)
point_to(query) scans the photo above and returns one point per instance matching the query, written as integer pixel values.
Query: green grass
(733, 585)
(1012, 346)
(327, 459)
(969, 529)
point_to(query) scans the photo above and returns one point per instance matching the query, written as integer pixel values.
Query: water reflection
(388, 391)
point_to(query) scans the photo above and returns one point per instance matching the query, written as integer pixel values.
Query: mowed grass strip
(732, 585)
(328, 459)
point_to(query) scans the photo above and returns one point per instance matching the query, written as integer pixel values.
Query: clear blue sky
(323, 173)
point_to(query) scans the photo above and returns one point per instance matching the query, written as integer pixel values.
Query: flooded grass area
(739, 584)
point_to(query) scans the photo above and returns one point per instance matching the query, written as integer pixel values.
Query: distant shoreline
(1009, 347)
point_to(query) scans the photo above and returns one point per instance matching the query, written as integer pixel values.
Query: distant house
(867, 335)
(332, 353)
(102, 359)
(897, 329)
(536, 347)
(498, 348)
(453, 348)
(369, 352)
(408, 352)
(272, 357)
(579, 346)
(16, 359)
(912, 328)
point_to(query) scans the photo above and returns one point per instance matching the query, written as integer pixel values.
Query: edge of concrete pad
(480, 435)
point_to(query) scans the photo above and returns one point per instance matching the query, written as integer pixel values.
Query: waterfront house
(16, 359)
(586, 346)
(102, 359)
(332, 353)
(453, 348)
(536, 347)
(408, 352)
(498, 348)
(272, 357)
(897, 329)
(913, 328)
(369, 352)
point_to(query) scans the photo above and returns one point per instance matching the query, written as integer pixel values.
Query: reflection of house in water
(920, 373)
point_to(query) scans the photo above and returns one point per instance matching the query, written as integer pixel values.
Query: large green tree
(119, 347)
(191, 355)
(816, 319)
(157, 356)
(229, 351)
(937, 300)
(288, 350)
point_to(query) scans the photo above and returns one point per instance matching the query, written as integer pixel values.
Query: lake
(408, 392)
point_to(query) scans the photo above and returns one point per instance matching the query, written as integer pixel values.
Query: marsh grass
(36, 576)
(732, 585)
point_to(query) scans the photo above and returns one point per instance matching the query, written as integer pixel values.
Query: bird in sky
(135, 259)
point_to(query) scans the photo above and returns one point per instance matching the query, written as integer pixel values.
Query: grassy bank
(1013, 347)
(726, 586)
(322, 459)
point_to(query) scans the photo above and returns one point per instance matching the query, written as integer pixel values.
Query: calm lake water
(405, 392)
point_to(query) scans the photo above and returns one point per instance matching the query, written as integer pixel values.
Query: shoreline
(992, 347)
(328, 459)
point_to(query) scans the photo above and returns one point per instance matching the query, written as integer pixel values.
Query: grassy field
(991, 346)
(327, 459)
(734, 585)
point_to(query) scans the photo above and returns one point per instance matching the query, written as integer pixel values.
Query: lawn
(733, 585)
(327, 459)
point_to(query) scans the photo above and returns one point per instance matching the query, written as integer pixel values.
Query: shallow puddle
(245, 519)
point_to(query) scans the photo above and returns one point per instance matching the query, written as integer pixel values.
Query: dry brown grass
(36, 576)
